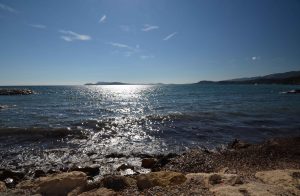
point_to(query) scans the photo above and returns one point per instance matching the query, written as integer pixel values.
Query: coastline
(240, 168)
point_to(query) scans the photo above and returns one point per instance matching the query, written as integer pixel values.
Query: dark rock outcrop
(8, 91)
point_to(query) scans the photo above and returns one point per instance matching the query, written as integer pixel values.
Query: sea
(62, 125)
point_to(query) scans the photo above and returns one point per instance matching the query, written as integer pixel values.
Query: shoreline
(240, 161)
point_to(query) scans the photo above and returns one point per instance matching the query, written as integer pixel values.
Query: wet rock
(100, 191)
(52, 171)
(162, 178)
(2, 187)
(115, 155)
(149, 163)
(124, 167)
(56, 184)
(116, 183)
(11, 177)
(15, 92)
(10, 183)
(92, 170)
(238, 144)
(39, 173)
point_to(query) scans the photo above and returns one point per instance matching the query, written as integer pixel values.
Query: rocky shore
(9, 91)
(268, 168)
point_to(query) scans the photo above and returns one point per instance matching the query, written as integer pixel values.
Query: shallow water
(63, 124)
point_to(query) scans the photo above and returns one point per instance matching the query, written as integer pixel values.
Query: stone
(16, 175)
(215, 179)
(39, 173)
(2, 187)
(162, 178)
(116, 183)
(92, 170)
(238, 144)
(149, 163)
(285, 178)
(56, 184)
(99, 192)
(124, 167)
(211, 179)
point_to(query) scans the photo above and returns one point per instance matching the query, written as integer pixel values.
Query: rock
(92, 170)
(252, 188)
(39, 173)
(215, 179)
(2, 187)
(143, 182)
(16, 175)
(285, 178)
(124, 167)
(99, 192)
(115, 155)
(56, 184)
(274, 182)
(238, 144)
(149, 163)
(162, 178)
(115, 183)
(212, 179)
(10, 177)
(15, 92)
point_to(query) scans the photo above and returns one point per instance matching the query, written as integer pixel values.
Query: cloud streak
(38, 26)
(8, 8)
(102, 19)
(70, 36)
(127, 50)
(170, 36)
(148, 27)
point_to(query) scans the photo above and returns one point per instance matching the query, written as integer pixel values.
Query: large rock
(212, 179)
(99, 192)
(2, 187)
(92, 170)
(162, 178)
(116, 183)
(149, 163)
(275, 182)
(288, 179)
(57, 184)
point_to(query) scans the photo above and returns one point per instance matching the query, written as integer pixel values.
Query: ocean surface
(71, 124)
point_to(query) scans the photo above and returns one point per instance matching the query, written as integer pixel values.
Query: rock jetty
(15, 91)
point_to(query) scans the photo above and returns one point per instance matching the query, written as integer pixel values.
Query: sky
(53, 42)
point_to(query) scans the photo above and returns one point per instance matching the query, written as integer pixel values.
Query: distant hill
(292, 77)
(107, 83)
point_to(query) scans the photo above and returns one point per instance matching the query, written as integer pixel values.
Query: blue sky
(140, 41)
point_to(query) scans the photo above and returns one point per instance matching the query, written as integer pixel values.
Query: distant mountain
(292, 77)
(107, 83)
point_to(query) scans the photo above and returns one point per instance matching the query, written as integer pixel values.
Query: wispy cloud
(144, 57)
(8, 8)
(38, 26)
(102, 19)
(120, 45)
(170, 36)
(72, 36)
(126, 49)
(148, 27)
